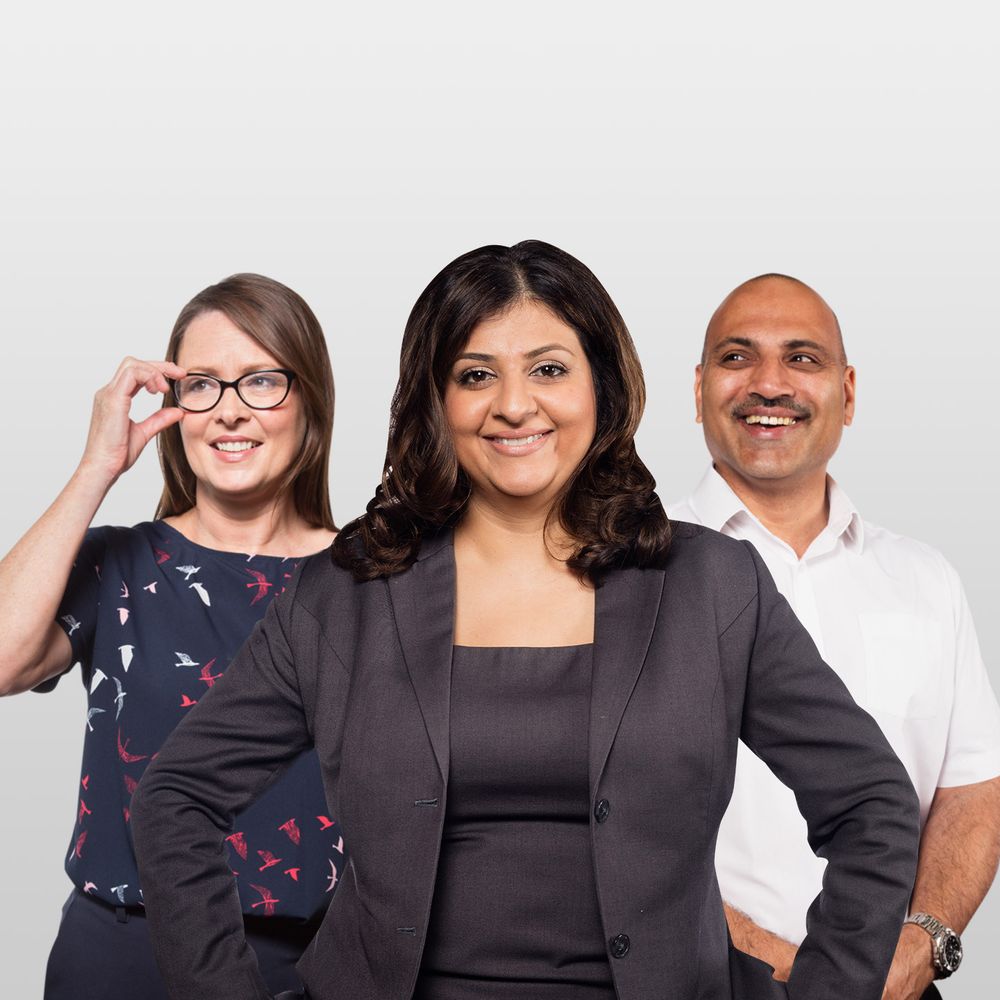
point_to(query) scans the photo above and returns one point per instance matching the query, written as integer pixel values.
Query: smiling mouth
(768, 421)
(235, 445)
(514, 442)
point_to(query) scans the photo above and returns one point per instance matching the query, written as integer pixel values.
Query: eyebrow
(788, 345)
(474, 356)
(247, 370)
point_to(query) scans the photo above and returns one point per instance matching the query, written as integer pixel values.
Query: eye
(550, 369)
(263, 380)
(192, 385)
(733, 357)
(803, 359)
(473, 377)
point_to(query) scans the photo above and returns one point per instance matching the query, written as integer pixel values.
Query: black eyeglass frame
(235, 386)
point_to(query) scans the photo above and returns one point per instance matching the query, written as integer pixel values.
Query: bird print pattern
(154, 621)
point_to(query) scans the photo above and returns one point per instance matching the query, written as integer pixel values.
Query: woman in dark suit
(525, 687)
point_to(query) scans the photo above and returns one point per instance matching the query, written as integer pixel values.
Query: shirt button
(619, 945)
(602, 810)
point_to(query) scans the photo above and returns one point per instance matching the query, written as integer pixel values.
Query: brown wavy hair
(608, 506)
(282, 323)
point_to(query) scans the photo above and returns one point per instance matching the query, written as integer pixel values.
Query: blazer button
(602, 810)
(619, 945)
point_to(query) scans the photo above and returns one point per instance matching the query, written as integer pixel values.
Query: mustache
(756, 402)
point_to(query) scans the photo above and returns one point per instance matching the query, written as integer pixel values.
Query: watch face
(951, 952)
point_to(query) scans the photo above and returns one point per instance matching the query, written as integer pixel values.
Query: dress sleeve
(858, 803)
(79, 607)
(238, 739)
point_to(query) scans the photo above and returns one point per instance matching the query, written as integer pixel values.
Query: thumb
(159, 421)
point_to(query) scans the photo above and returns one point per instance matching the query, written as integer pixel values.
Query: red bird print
(78, 850)
(261, 583)
(161, 556)
(291, 828)
(325, 822)
(269, 860)
(267, 900)
(130, 783)
(128, 758)
(83, 811)
(187, 702)
(294, 872)
(85, 780)
(126, 813)
(239, 844)
(206, 673)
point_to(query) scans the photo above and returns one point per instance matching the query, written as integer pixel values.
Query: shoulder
(908, 559)
(719, 575)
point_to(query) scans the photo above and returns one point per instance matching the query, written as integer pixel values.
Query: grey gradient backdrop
(676, 150)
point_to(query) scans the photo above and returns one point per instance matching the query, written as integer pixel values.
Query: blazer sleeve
(236, 741)
(857, 800)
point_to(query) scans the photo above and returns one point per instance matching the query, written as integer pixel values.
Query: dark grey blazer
(686, 661)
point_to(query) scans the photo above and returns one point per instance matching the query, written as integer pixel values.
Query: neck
(518, 534)
(796, 513)
(273, 528)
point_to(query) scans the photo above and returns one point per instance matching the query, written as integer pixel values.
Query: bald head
(773, 296)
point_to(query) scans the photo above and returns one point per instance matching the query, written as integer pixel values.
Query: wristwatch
(946, 945)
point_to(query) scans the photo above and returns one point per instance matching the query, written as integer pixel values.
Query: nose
(231, 409)
(770, 379)
(514, 401)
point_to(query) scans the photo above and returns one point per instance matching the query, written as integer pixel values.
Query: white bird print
(90, 714)
(185, 660)
(249, 557)
(99, 675)
(71, 622)
(89, 886)
(332, 877)
(124, 593)
(202, 593)
(126, 652)
(119, 891)
(188, 571)
(151, 587)
(339, 846)
(123, 615)
(120, 697)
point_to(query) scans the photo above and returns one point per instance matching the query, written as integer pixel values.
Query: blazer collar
(423, 603)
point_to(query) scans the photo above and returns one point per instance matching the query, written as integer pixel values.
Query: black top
(515, 908)
(154, 620)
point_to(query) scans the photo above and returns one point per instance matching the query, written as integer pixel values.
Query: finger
(159, 421)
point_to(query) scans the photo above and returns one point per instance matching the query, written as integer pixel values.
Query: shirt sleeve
(858, 803)
(78, 609)
(235, 743)
(973, 749)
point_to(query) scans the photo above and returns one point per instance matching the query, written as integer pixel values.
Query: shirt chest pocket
(904, 664)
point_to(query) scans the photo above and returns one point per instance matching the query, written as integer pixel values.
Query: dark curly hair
(609, 505)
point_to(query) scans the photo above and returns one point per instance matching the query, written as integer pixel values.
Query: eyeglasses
(265, 390)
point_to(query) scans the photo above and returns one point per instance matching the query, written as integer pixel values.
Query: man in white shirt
(774, 392)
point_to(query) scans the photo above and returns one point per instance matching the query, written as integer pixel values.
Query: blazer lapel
(627, 602)
(423, 604)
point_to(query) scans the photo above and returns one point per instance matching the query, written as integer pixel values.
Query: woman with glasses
(154, 613)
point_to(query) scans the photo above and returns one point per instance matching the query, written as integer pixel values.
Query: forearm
(33, 577)
(959, 851)
(753, 939)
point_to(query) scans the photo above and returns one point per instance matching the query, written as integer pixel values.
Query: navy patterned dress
(154, 621)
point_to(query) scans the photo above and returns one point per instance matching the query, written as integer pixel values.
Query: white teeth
(514, 442)
(770, 421)
(234, 445)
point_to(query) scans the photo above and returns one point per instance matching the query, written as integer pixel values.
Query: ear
(850, 387)
(697, 393)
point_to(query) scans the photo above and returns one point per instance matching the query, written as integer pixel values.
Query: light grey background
(677, 150)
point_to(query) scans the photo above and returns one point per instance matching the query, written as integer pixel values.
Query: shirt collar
(715, 503)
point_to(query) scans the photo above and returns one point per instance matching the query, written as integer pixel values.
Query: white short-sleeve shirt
(890, 616)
